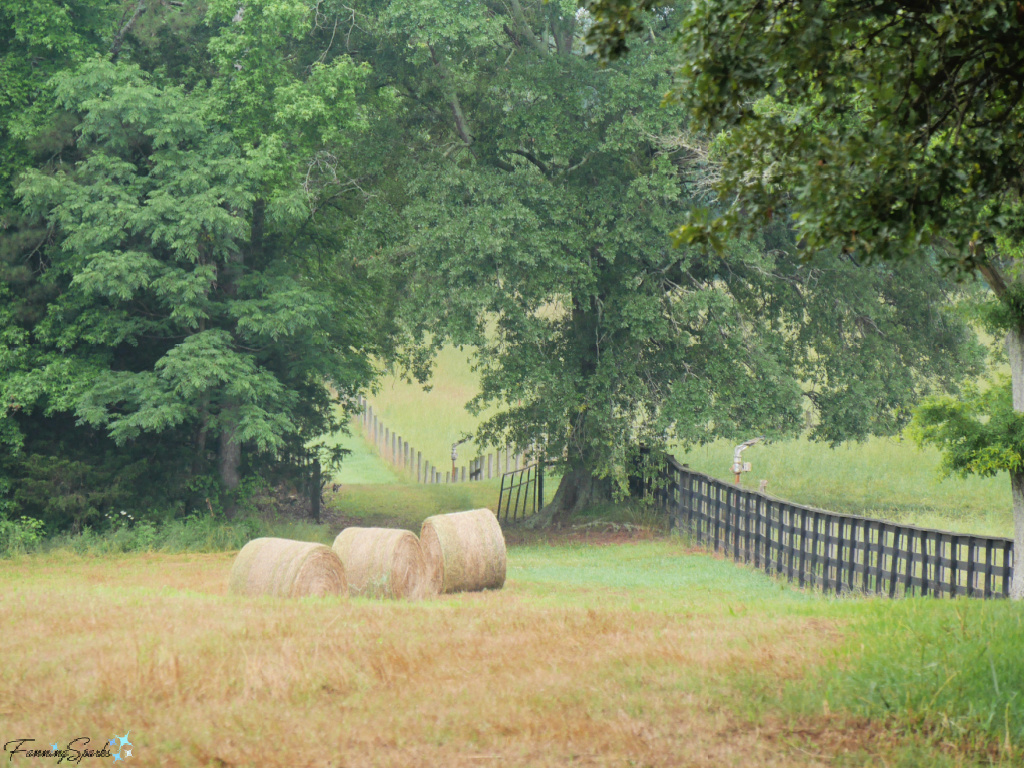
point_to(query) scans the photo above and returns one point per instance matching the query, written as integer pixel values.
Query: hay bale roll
(464, 551)
(285, 568)
(382, 562)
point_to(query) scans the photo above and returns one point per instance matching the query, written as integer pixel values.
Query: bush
(20, 536)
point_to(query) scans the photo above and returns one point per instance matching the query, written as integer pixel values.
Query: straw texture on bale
(464, 551)
(382, 562)
(285, 568)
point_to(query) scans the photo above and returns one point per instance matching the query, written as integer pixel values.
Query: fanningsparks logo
(76, 750)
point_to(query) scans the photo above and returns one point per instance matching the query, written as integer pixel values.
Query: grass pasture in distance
(639, 653)
(432, 420)
(881, 477)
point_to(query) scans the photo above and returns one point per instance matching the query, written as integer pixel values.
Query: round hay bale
(464, 551)
(285, 568)
(382, 562)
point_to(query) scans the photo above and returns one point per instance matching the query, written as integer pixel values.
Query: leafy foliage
(181, 282)
(889, 131)
(979, 434)
(532, 223)
(884, 127)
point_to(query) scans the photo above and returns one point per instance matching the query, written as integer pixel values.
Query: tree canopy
(889, 131)
(526, 214)
(174, 274)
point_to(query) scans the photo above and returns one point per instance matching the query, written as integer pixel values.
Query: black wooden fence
(522, 493)
(839, 553)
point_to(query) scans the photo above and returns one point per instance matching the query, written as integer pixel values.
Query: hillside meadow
(890, 478)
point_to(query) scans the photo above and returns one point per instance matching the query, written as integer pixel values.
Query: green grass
(642, 653)
(881, 477)
(363, 465)
(193, 534)
(955, 668)
(406, 505)
(434, 419)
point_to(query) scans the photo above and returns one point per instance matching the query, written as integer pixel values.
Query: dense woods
(221, 220)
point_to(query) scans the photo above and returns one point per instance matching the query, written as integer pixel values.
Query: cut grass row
(631, 654)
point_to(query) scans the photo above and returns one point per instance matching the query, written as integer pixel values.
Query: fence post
(315, 491)
(540, 483)
(490, 465)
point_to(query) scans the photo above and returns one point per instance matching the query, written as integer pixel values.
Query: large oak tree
(892, 132)
(523, 207)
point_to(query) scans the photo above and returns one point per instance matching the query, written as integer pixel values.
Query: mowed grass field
(624, 653)
(882, 477)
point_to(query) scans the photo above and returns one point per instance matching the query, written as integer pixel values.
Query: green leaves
(978, 434)
(186, 299)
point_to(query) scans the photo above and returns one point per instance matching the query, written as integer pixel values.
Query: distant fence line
(396, 450)
(839, 553)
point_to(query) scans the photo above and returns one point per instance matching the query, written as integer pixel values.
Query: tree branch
(533, 159)
(524, 27)
(115, 48)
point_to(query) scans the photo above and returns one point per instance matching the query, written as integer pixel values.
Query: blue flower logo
(120, 744)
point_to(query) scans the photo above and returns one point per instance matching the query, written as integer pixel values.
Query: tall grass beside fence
(192, 534)
(955, 670)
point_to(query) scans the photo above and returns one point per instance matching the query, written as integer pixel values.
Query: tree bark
(577, 490)
(1015, 351)
(230, 460)
(579, 487)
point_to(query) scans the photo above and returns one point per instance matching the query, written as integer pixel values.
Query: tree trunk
(577, 491)
(230, 460)
(1015, 351)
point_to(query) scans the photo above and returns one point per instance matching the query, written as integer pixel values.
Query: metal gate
(522, 493)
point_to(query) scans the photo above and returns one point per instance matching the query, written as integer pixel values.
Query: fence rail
(839, 553)
(522, 493)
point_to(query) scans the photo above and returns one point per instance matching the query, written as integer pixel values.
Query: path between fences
(397, 452)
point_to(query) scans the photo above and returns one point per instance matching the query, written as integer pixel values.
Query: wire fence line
(395, 450)
(839, 553)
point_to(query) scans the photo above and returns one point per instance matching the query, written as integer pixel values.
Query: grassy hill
(881, 477)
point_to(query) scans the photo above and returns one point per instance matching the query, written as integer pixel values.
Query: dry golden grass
(528, 676)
